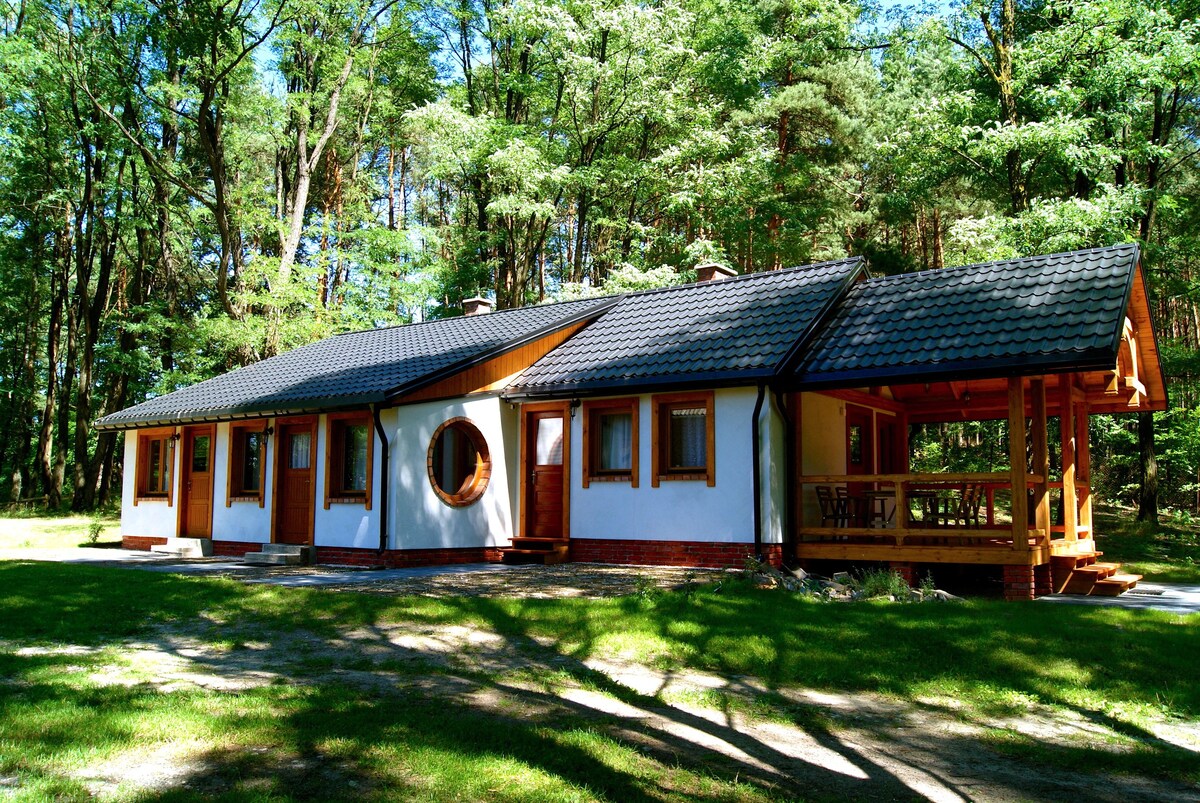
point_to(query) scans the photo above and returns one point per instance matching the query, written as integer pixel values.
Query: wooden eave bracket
(1126, 373)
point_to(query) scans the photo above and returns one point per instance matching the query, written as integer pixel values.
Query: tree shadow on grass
(342, 724)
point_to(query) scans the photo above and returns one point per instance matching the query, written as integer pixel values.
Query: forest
(187, 186)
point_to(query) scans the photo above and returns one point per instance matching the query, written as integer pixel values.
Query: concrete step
(272, 559)
(280, 555)
(185, 548)
(286, 549)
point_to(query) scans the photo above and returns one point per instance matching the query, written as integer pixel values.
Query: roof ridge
(652, 291)
(741, 277)
(460, 317)
(998, 262)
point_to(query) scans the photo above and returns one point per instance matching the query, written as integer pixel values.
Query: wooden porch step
(1115, 585)
(546, 551)
(546, 544)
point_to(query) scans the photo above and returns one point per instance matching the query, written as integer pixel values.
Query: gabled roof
(1061, 312)
(357, 368)
(728, 331)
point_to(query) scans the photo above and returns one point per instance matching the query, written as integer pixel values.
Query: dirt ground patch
(800, 742)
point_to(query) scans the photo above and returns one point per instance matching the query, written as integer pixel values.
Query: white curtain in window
(616, 442)
(549, 441)
(689, 439)
(298, 450)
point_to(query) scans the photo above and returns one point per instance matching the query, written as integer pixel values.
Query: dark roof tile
(1018, 314)
(354, 368)
(725, 330)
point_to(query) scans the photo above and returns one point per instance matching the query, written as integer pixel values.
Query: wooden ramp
(1083, 574)
(536, 550)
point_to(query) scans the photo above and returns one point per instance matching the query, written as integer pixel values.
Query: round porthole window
(459, 463)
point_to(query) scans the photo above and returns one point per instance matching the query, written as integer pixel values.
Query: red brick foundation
(1043, 581)
(698, 554)
(1018, 583)
(142, 542)
(1027, 582)
(404, 558)
(905, 570)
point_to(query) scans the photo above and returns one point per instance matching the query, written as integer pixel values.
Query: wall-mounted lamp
(268, 432)
(574, 406)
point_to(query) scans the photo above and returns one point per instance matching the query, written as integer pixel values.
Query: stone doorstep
(185, 548)
(280, 555)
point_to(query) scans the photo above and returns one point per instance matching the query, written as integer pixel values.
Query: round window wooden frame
(483, 465)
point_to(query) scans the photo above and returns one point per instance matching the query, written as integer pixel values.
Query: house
(765, 414)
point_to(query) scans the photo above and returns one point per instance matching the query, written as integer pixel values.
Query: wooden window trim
(591, 451)
(662, 403)
(333, 494)
(483, 468)
(233, 493)
(142, 470)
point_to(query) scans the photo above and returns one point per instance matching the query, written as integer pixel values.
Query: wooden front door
(197, 487)
(544, 458)
(294, 500)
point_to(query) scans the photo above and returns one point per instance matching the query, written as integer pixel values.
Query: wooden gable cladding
(494, 374)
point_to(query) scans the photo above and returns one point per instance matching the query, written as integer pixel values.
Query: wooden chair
(835, 512)
(852, 506)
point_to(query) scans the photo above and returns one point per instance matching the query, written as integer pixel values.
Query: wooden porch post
(1041, 457)
(1083, 466)
(1066, 426)
(1017, 468)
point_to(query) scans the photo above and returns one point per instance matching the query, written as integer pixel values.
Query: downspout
(756, 471)
(384, 474)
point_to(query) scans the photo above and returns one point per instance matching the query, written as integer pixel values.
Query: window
(155, 460)
(348, 447)
(684, 439)
(610, 441)
(459, 462)
(247, 462)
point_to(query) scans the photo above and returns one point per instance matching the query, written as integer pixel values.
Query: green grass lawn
(1167, 552)
(35, 530)
(1121, 669)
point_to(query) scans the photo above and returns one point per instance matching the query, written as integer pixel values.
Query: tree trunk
(1148, 501)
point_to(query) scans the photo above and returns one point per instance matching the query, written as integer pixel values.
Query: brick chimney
(476, 306)
(712, 272)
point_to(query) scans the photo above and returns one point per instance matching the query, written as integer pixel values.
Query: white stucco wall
(347, 524)
(239, 521)
(773, 456)
(420, 519)
(152, 518)
(679, 510)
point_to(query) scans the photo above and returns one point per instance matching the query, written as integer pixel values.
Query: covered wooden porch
(1002, 517)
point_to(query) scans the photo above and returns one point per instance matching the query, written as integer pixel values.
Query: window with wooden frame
(155, 464)
(349, 450)
(610, 441)
(459, 462)
(684, 441)
(247, 462)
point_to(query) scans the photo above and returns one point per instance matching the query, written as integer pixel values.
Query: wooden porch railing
(900, 527)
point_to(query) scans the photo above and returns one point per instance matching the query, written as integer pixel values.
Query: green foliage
(206, 184)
